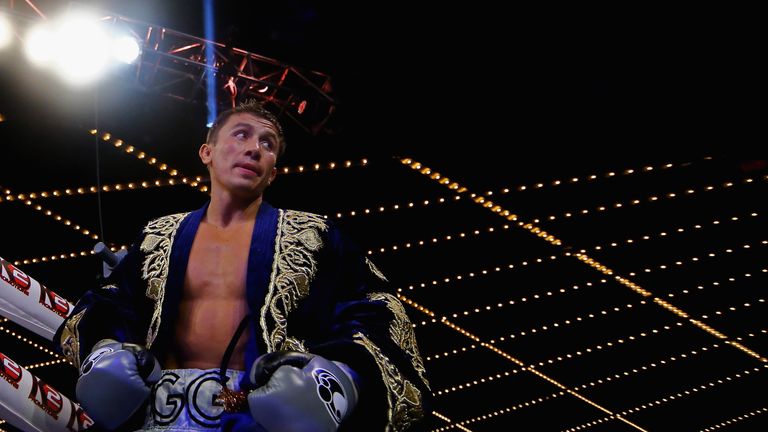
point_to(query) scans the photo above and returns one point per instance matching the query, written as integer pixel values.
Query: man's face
(242, 159)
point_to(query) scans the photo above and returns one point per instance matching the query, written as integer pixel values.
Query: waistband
(185, 400)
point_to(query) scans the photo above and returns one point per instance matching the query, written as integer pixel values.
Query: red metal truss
(174, 64)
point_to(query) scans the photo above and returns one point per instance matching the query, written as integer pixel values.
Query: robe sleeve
(372, 333)
(108, 311)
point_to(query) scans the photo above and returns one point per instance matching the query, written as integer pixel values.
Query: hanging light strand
(496, 350)
(596, 177)
(28, 202)
(542, 328)
(692, 391)
(649, 199)
(116, 187)
(732, 421)
(584, 258)
(63, 256)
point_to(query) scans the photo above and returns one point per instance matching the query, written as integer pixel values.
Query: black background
(493, 96)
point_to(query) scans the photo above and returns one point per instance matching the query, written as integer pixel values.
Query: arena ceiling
(562, 200)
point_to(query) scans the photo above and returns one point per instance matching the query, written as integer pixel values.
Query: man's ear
(272, 175)
(205, 153)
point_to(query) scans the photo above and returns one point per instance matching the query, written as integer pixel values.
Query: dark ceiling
(619, 133)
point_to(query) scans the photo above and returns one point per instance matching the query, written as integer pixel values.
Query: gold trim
(157, 245)
(294, 266)
(293, 344)
(70, 339)
(403, 397)
(375, 270)
(401, 331)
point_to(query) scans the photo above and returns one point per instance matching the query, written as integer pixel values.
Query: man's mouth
(249, 167)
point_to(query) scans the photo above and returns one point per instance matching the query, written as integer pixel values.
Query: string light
(104, 188)
(582, 256)
(700, 287)
(597, 382)
(697, 259)
(654, 364)
(475, 382)
(148, 159)
(62, 256)
(57, 217)
(324, 166)
(435, 240)
(500, 412)
(533, 297)
(592, 177)
(734, 420)
(194, 182)
(490, 346)
(650, 199)
(666, 232)
(48, 363)
(486, 203)
(164, 167)
(688, 392)
(382, 209)
(33, 344)
(483, 272)
(447, 420)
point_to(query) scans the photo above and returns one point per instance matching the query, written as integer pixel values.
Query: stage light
(39, 45)
(82, 52)
(6, 31)
(125, 49)
(79, 47)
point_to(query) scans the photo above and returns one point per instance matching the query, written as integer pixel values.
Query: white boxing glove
(300, 392)
(115, 380)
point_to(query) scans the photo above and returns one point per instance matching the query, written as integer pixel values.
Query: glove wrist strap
(232, 401)
(230, 348)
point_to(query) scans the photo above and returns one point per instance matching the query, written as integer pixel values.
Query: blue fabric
(259, 270)
(329, 299)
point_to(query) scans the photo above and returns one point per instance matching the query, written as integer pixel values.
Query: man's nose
(253, 150)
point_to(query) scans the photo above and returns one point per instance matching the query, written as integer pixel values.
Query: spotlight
(125, 49)
(6, 31)
(82, 52)
(39, 45)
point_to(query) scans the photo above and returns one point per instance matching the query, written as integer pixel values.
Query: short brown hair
(251, 106)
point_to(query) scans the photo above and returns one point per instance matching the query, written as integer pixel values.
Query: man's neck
(225, 210)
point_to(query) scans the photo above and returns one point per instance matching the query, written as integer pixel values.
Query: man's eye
(241, 134)
(267, 144)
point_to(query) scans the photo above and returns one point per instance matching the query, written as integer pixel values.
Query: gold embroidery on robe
(402, 332)
(375, 270)
(293, 344)
(157, 245)
(70, 339)
(403, 397)
(294, 265)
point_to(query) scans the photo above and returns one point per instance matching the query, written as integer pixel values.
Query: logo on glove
(331, 393)
(93, 358)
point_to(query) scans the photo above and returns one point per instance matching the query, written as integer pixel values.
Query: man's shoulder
(302, 213)
(305, 219)
(175, 217)
(167, 222)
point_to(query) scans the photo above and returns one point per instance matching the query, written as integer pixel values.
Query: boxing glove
(115, 380)
(300, 392)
